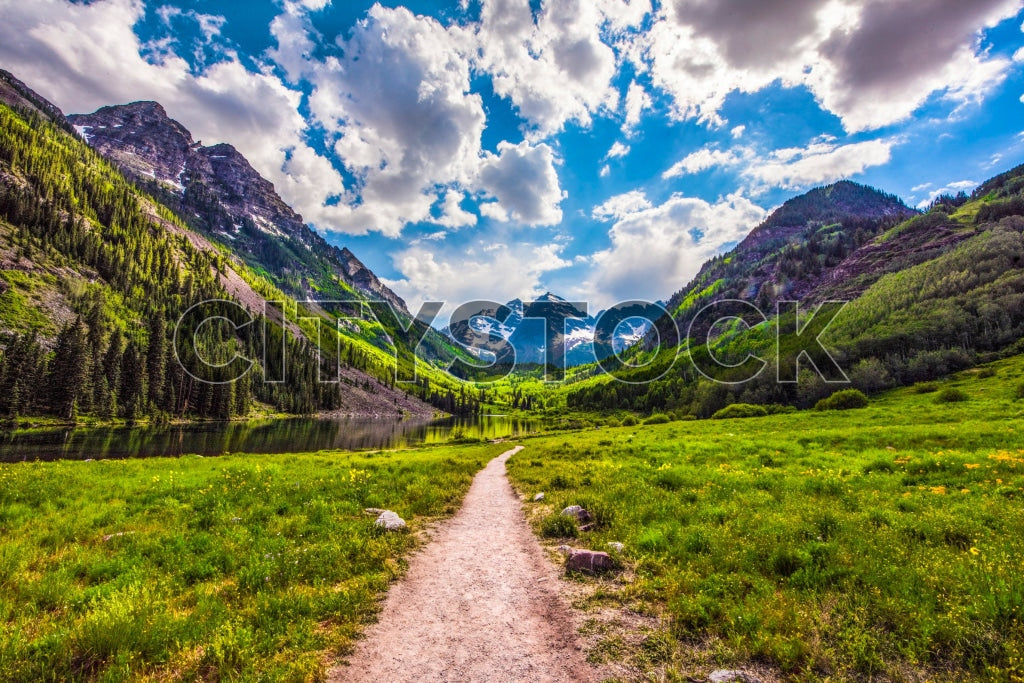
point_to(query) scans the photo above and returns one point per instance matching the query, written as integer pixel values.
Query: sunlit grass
(862, 543)
(259, 567)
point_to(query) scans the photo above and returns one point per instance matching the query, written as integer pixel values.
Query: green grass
(861, 544)
(233, 568)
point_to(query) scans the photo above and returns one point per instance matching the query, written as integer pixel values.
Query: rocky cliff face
(216, 189)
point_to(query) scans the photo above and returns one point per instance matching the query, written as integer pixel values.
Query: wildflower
(972, 465)
(975, 551)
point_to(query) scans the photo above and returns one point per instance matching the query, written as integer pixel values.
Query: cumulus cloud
(453, 216)
(402, 141)
(622, 205)
(617, 151)
(524, 181)
(862, 59)
(559, 67)
(819, 163)
(656, 250)
(701, 160)
(483, 271)
(637, 101)
(792, 168)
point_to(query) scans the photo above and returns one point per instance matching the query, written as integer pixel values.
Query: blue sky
(600, 149)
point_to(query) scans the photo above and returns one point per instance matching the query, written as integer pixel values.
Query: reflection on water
(271, 436)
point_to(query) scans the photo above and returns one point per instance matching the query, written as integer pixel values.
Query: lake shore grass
(230, 568)
(875, 544)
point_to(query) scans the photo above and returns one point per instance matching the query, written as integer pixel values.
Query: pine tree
(133, 390)
(68, 369)
(156, 356)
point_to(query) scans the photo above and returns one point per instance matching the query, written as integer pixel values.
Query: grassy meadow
(885, 543)
(232, 568)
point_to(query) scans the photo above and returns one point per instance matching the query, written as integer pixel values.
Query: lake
(296, 435)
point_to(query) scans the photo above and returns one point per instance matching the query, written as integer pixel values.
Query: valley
(801, 461)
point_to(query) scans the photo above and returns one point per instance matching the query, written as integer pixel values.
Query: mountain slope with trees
(927, 296)
(94, 276)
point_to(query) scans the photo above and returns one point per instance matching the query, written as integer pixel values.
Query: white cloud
(523, 179)
(857, 56)
(819, 163)
(622, 205)
(403, 141)
(951, 189)
(557, 69)
(701, 160)
(606, 171)
(790, 168)
(1018, 56)
(738, 132)
(657, 249)
(617, 151)
(493, 271)
(637, 101)
(453, 216)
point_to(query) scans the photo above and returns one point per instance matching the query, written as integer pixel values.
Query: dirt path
(479, 603)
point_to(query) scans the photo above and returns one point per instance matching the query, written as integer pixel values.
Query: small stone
(373, 511)
(390, 521)
(590, 562)
(732, 676)
(581, 515)
(538, 498)
(616, 546)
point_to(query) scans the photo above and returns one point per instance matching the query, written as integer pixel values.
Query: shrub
(737, 410)
(926, 388)
(985, 373)
(657, 419)
(1020, 390)
(630, 421)
(847, 399)
(559, 526)
(951, 395)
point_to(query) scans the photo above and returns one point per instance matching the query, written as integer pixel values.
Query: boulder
(732, 676)
(590, 562)
(390, 521)
(538, 498)
(581, 515)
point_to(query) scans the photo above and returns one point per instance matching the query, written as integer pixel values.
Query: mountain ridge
(217, 188)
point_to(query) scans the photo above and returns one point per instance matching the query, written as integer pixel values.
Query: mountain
(95, 276)
(220, 194)
(927, 294)
(16, 94)
(547, 330)
(794, 251)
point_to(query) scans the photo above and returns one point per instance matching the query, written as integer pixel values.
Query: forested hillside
(95, 275)
(932, 295)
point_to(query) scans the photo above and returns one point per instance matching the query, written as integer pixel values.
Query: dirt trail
(479, 603)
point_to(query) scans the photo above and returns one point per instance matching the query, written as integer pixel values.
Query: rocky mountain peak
(217, 189)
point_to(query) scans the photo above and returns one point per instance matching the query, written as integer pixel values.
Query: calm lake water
(270, 436)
